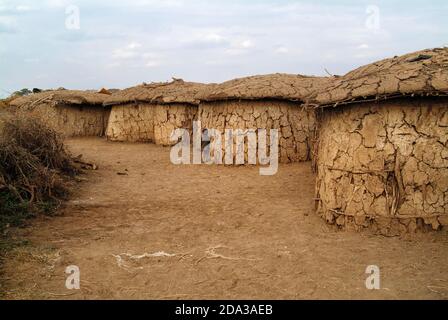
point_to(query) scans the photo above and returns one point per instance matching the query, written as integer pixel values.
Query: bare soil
(159, 231)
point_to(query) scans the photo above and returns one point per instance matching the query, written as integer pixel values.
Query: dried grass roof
(422, 73)
(177, 91)
(76, 97)
(271, 86)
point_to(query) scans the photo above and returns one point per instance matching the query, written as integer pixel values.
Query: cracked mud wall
(295, 124)
(384, 165)
(145, 122)
(169, 117)
(131, 122)
(72, 120)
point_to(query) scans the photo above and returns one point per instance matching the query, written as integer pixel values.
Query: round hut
(382, 157)
(273, 101)
(150, 112)
(69, 112)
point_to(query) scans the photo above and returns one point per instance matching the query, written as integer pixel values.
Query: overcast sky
(123, 43)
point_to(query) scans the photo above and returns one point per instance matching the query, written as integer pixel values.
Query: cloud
(240, 47)
(134, 55)
(281, 50)
(8, 24)
(74, 36)
(129, 51)
(203, 40)
(156, 3)
(235, 52)
(57, 3)
(24, 8)
(31, 60)
(88, 35)
(134, 45)
(213, 37)
(8, 7)
(124, 53)
(245, 44)
(113, 65)
(196, 37)
(152, 64)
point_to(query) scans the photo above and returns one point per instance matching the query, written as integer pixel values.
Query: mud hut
(382, 157)
(69, 112)
(273, 101)
(150, 112)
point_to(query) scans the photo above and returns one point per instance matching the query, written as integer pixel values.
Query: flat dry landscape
(159, 231)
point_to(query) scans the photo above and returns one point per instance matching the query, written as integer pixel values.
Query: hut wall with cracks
(131, 122)
(273, 101)
(385, 165)
(382, 162)
(151, 112)
(68, 113)
(146, 122)
(295, 124)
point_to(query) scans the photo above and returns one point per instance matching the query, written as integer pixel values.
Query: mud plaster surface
(146, 122)
(423, 72)
(177, 91)
(73, 120)
(134, 123)
(385, 165)
(294, 123)
(271, 86)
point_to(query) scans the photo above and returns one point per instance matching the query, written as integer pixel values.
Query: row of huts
(377, 136)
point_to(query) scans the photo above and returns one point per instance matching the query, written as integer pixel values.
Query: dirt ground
(159, 231)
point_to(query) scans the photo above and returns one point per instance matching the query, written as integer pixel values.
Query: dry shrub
(4, 103)
(39, 140)
(33, 169)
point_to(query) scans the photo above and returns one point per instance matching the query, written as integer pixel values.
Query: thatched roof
(271, 86)
(422, 73)
(75, 97)
(177, 91)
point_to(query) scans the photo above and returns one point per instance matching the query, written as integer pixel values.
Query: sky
(90, 44)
